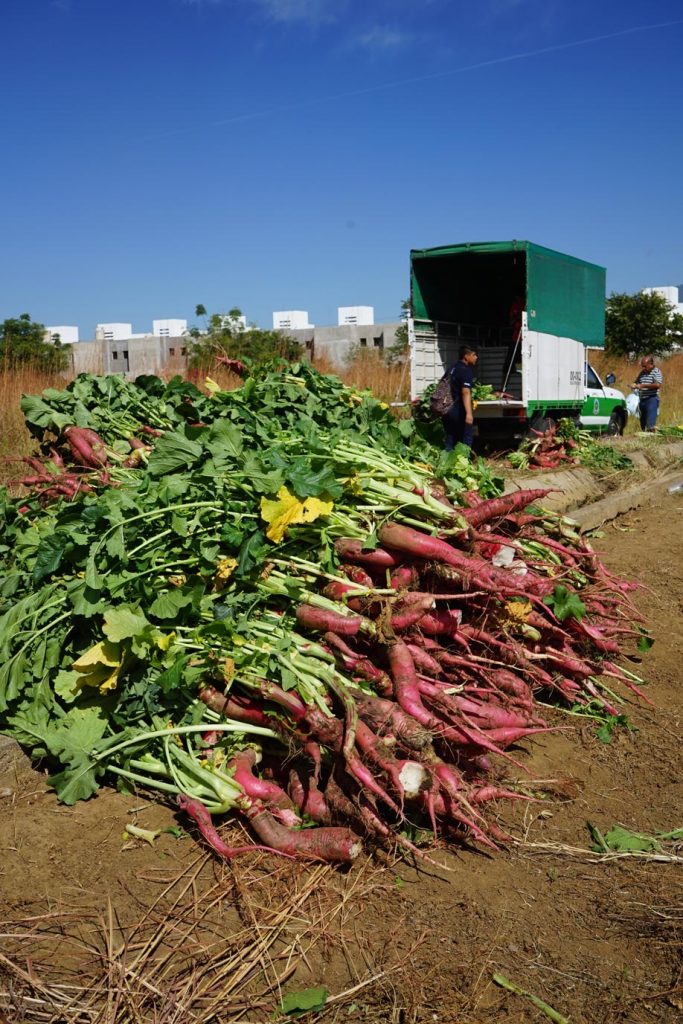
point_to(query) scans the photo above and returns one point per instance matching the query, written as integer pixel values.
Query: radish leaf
(645, 641)
(621, 840)
(123, 623)
(304, 1001)
(172, 452)
(566, 604)
(225, 439)
(49, 556)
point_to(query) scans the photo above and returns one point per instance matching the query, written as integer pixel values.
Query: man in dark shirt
(459, 420)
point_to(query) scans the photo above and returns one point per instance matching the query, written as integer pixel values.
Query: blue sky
(287, 154)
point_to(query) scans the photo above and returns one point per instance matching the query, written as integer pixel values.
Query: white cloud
(311, 12)
(381, 37)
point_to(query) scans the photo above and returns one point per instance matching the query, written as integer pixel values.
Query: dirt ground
(96, 927)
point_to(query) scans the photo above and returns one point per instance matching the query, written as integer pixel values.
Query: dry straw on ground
(215, 944)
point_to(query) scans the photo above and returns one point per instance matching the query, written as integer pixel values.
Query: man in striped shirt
(647, 384)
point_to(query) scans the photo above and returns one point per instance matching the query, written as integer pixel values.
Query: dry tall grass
(389, 383)
(14, 438)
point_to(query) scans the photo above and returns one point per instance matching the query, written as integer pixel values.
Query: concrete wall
(131, 356)
(88, 356)
(338, 344)
(152, 354)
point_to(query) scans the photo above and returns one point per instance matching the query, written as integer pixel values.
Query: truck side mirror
(610, 379)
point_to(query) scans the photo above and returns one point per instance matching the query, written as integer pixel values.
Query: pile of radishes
(78, 462)
(547, 449)
(291, 608)
(441, 659)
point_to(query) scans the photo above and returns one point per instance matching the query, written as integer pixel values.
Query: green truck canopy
(564, 296)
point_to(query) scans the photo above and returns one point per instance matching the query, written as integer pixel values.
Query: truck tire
(617, 422)
(539, 423)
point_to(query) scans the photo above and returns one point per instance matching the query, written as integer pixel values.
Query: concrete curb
(590, 517)
(582, 493)
(570, 487)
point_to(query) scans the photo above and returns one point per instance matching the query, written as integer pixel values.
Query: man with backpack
(453, 399)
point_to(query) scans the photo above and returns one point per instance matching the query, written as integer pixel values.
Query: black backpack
(441, 401)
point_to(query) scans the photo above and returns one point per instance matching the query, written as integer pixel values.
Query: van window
(592, 378)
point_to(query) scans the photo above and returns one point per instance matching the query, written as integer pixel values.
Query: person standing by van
(459, 420)
(648, 384)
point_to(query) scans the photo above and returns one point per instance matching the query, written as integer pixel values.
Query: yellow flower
(287, 510)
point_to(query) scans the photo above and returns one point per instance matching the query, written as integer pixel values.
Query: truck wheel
(615, 427)
(538, 423)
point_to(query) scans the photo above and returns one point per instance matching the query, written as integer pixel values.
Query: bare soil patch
(97, 928)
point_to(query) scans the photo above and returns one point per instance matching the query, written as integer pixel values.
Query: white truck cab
(604, 409)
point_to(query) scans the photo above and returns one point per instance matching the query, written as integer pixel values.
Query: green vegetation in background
(641, 324)
(223, 338)
(22, 343)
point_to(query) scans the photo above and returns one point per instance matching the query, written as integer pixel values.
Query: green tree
(226, 338)
(22, 342)
(399, 350)
(641, 323)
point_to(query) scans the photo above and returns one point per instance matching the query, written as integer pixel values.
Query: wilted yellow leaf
(211, 386)
(519, 611)
(287, 509)
(103, 654)
(164, 641)
(224, 570)
(100, 666)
